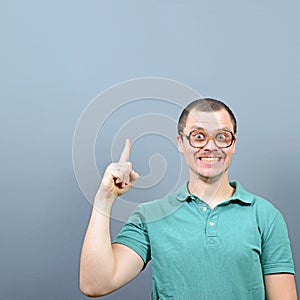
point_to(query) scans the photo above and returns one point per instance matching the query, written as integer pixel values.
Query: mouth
(210, 159)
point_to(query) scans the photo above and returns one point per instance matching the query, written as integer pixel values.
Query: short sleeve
(134, 235)
(276, 256)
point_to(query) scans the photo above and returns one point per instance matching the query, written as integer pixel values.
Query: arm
(105, 267)
(280, 286)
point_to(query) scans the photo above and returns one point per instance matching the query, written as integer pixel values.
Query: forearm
(97, 262)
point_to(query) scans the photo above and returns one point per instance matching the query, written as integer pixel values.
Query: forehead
(211, 120)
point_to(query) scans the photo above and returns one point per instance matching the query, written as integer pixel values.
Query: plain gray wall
(56, 56)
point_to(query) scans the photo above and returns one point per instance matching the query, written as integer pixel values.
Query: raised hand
(118, 177)
(105, 267)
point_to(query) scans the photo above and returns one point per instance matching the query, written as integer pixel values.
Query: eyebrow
(201, 128)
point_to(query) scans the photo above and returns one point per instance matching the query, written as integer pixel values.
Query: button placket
(211, 228)
(203, 206)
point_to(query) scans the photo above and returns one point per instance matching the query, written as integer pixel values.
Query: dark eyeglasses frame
(208, 138)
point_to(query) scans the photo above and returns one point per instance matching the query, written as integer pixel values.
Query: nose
(210, 146)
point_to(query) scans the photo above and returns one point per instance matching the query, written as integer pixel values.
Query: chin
(210, 177)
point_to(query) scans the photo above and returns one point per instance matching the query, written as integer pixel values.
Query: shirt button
(211, 223)
(204, 208)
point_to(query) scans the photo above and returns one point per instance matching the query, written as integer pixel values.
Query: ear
(233, 145)
(179, 143)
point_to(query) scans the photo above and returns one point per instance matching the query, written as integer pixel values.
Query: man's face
(208, 162)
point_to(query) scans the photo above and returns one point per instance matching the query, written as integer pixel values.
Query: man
(210, 240)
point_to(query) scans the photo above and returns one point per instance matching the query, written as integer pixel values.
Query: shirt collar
(240, 194)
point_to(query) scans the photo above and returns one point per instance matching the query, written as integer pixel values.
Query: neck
(211, 190)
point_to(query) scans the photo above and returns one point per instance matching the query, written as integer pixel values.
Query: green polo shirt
(199, 253)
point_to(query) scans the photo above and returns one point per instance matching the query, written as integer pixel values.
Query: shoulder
(160, 208)
(259, 203)
(264, 211)
(263, 205)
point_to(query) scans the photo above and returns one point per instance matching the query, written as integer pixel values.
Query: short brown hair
(205, 104)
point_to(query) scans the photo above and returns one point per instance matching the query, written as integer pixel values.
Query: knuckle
(111, 165)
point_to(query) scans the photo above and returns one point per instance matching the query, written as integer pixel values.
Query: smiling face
(208, 162)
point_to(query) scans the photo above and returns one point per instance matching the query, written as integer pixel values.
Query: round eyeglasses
(199, 138)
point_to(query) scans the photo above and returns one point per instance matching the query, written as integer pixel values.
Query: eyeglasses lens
(222, 138)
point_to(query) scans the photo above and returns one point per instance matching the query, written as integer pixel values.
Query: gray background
(56, 56)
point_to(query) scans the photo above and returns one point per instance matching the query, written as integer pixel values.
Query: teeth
(209, 158)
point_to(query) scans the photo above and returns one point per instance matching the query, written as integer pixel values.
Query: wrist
(103, 205)
(104, 195)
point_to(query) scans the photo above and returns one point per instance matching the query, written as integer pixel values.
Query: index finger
(126, 151)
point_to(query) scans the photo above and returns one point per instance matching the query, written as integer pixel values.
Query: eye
(198, 135)
(223, 136)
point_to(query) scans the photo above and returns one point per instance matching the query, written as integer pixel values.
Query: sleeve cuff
(132, 246)
(274, 269)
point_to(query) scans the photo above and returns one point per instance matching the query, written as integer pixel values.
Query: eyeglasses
(199, 138)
